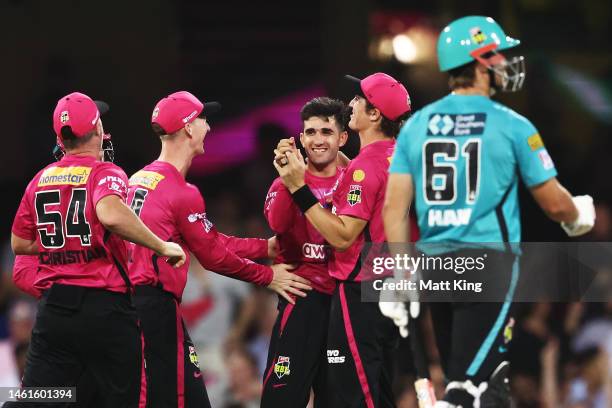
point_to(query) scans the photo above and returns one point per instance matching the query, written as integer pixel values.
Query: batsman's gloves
(586, 217)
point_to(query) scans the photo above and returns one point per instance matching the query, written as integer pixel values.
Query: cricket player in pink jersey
(296, 356)
(26, 266)
(24, 274)
(73, 215)
(175, 210)
(360, 339)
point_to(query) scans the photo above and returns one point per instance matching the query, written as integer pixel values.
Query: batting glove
(397, 312)
(586, 217)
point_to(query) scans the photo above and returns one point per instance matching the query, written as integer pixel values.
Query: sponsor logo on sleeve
(200, 217)
(114, 183)
(270, 199)
(281, 368)
(546, 160)
(55, 176)
(148, 179)
(354, 195)
(535, 142)
(359, 175)
(448, 124)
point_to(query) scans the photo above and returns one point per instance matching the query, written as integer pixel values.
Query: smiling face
(361, 118)
(322, 138)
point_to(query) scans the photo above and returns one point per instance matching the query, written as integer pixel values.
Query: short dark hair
(72, 141)
(158, 130)
(463, 76)
(324, 107)
(390, 128)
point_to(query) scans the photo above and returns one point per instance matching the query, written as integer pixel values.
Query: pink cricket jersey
(360, 193)
(58, 211)
(175, 211)
(299, 242)
(25, 270)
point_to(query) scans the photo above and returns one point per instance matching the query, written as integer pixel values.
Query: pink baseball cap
(174, 111)
(79, 112)
(384, 92)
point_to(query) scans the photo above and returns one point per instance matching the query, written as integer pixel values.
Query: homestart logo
(55, 176)
(148, 179)
(334, 357)
(315, 251)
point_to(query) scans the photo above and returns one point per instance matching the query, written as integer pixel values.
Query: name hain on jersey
(449, 217)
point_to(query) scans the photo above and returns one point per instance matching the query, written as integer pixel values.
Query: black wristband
(304, 198)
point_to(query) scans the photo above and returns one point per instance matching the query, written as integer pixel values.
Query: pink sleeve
(24, 274)
(250, 248)
(204, 241)
(109, 179)
(24, 224)
(362, 195)
(279, 208)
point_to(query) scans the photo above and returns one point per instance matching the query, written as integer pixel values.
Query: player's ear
(188, 129)
(375, 115)
(343, 137)
(302, 138)
(100, 128)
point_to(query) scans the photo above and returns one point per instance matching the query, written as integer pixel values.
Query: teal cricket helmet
(466, 39)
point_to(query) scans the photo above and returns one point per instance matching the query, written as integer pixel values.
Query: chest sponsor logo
(449, 217)
(148, 179)
(315, 251)
(447, 124)
(354, 195)
(334, 357)
(281, 368)
(55, 176)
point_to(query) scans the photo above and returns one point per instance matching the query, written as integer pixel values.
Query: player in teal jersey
(460, 158)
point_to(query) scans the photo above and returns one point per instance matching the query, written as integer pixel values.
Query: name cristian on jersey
(71, 256)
